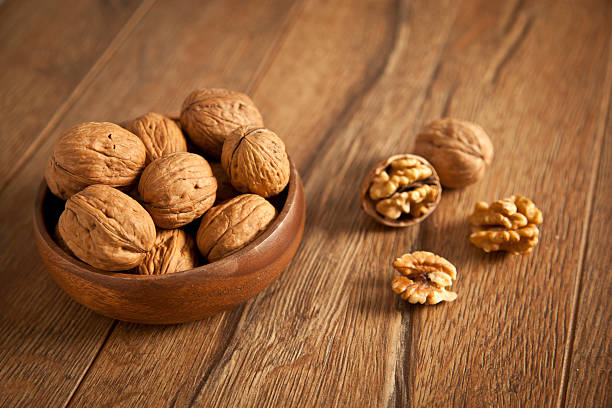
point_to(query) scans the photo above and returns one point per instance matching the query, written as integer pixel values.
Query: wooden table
(345, 84)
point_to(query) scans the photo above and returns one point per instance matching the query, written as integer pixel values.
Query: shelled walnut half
(506, 225)
(401, 191)
(425, 277)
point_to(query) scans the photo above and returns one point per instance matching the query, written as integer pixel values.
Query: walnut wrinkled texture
(177, 188)
(506, 225)
(94, 153)
(401, 190)
(174, 251)
(459, 150)
(425, 278)
(232, 225)
(255, 161)
(209, 116)
(106, 228)
(159, 134)
(225, 190)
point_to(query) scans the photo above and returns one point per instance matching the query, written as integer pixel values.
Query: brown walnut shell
(459, 150)
(225, 190)
(174, 251)
(208, 116)
(94, 153)
(106, 228)
(428, 180)
(177, 188)
(159, 134)
(255, 161)
(232, 225)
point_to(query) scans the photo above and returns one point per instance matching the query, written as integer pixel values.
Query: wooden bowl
(182, 296)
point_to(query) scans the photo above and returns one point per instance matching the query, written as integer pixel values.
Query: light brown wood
(589, 365)
(347, 84)
(42, 66)
(48, 345)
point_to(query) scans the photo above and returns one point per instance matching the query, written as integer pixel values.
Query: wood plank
(332, 335)
(317, 81)
(46, 49)
(47, 341)
(589, 368)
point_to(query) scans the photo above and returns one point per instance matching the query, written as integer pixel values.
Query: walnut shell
(459, 150)
(94, 153)
(177, 188)
(225, 190)
(159, 134)
(174, 251)
(401, 191)
(255, 161)
(106, 228)
(208, 116)
(232, 225)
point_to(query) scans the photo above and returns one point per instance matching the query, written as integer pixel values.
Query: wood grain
(347, 84)
(48, 345)
(41, 66)
(589, 366)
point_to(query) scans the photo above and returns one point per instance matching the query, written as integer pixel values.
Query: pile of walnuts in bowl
(132, 190)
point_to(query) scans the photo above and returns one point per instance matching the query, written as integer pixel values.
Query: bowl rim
(214, 270)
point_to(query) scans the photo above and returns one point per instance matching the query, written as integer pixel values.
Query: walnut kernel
(507, 225)
(401, 191)
(425, 278)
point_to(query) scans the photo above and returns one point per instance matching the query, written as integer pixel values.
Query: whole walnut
(177, 188)
(160, 135)
(94, 153)
(174, 251)
(106, 228)
(459, 150)
(255, 161)
(232, 225)
(208, 116)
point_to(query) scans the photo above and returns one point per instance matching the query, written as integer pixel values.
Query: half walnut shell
(401, 191)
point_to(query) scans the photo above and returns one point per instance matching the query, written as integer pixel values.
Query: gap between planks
(78, 90)
(571, 330)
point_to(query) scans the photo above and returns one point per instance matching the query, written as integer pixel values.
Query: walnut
(232, 225)
(401, 190)
(106, 228)
(425, 278)
(255, 161)
(160, 135)
(225, 190)
(459, 150)
(209, 116)
(506, 225)
(177, 188)
(174, 251)
(94, 153)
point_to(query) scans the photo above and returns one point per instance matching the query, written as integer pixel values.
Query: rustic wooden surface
(345, 83)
